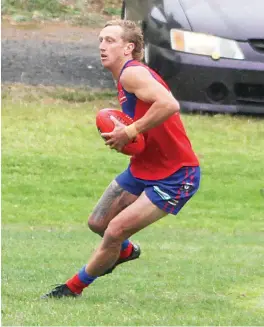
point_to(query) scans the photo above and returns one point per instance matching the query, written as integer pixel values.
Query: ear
(129, 48)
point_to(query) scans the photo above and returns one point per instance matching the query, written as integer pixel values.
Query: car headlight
(204, 44)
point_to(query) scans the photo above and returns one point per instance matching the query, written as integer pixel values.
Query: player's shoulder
(130, 70)
(135, 73)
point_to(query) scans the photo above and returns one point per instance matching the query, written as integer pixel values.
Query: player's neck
(116, 70)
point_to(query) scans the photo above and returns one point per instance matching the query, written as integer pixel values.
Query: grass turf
(203, 267)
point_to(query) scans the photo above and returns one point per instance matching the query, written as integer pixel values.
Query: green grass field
(203, 267)
(78, 12)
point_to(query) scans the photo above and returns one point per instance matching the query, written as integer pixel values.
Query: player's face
(112, 46)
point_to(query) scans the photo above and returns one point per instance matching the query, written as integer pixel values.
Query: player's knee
(114, 233)
(96, 226)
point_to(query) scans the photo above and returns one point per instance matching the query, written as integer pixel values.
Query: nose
(102, 46)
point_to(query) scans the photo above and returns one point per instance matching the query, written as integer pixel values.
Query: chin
(106, 64)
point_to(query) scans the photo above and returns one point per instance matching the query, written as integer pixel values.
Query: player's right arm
(138, 80)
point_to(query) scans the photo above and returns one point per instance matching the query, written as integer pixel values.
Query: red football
(106, 125)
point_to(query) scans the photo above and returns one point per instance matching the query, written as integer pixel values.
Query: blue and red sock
(80, 281)
(126, 249)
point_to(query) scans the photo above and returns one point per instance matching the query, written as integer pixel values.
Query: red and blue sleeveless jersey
(168, 148)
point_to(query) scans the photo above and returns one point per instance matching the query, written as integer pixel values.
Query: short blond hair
(132, 33)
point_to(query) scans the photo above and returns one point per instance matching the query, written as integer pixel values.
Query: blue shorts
(169, 194)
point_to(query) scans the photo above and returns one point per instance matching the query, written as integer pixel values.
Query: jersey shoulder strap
(132, 63)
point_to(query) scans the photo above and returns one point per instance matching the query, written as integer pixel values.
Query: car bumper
(201, 83)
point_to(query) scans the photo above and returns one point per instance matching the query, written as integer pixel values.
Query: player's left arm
(138, 80)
